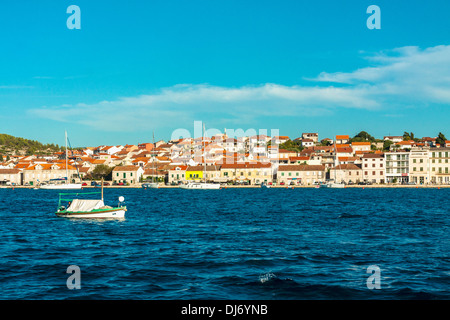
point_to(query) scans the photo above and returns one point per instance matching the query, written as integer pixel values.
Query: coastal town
(305, 160)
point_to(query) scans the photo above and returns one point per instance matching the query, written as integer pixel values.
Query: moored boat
(198, 185)
(152, 185)
(88, 208)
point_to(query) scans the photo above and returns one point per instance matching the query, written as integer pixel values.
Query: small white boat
(79, 208)
(336, 185)
(152, 185)
(200, 186)
(265, 186)
(61, 186)
(88, 208)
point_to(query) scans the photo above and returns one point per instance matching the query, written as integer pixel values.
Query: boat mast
(204, 154)
(153, 158)
(67, 169)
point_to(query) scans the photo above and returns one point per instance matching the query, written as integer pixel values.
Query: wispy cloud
(394, 79)
(15, 87)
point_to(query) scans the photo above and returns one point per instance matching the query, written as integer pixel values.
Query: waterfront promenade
(138, 186)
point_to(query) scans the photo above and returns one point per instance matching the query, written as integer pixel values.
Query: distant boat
(201, 185)
(335, 184)
(88, 208)
(153, 184)
(54, 186)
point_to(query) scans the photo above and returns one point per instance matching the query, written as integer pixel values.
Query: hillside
(10, 145)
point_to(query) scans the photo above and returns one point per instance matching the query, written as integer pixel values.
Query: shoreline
(259, 187)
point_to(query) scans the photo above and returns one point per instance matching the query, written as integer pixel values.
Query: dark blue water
(230, 244)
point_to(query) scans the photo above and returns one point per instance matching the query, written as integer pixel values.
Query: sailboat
(201, 185)
(87, 208)
(335, 184)
(153, 184)
(67, 184)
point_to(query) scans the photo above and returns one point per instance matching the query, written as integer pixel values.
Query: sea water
(236, 243)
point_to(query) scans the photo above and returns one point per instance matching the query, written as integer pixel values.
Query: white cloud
(404, 76)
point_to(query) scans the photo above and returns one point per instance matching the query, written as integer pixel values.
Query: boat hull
(97, 214)
(336, 185)
(200, 186)
(151, 185)
(69, 186)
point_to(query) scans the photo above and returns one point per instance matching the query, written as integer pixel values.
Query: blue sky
(298, 66)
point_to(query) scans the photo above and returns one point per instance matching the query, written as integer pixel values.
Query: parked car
(84, 184)
(282, 183)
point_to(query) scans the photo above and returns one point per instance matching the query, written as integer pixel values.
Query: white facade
(397, 167)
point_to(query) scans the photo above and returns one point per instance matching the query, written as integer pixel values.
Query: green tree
(441, 139)
(291, 146)
(387, 145)
(102, 171)
(362, 136)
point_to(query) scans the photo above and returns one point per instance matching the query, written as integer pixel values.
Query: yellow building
(247, 173)
(196, 173)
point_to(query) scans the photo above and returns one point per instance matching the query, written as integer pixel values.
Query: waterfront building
(302, 174)
(127, 174)
(176, 174)
(397, 166)
(373, 167)
(439, 165)
(347, 173)
(200, 172)
(41, 172)
(419, 165)
(246, 173)
(10, 176)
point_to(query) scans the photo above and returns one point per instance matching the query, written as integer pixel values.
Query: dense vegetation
(14, 145)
